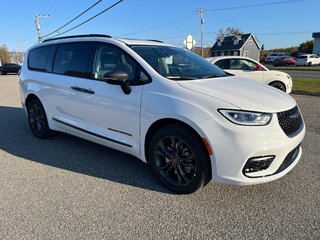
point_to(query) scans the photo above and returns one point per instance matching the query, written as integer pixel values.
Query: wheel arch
(278, 81)
(30, 97)
(171, 121)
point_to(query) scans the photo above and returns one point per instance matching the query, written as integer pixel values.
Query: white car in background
(308, 60)
(251, 69)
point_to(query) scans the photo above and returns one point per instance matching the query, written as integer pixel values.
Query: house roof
(228, 43)
(316, 35)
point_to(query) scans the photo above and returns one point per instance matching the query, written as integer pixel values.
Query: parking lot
(68, 188)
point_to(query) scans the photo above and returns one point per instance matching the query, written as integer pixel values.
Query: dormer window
(235, 41)
(219, 43)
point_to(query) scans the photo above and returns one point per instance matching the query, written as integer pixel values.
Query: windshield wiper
(181, 78)
(213, 76)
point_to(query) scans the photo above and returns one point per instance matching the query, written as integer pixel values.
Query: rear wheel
(179, 159)
(37, 119)
(278, 85)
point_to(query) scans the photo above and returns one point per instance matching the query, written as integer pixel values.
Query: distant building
(244, 45)
(316, 43)
(17, 57)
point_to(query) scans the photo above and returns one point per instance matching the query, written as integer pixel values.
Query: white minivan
(164, 105)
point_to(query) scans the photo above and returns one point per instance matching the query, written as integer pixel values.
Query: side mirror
(259, 67)
(118, 78)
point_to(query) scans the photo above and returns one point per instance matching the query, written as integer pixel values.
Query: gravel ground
(68, 188)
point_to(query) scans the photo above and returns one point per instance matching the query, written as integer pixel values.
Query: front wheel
(37, 119)
(179, 159)
(278, 85)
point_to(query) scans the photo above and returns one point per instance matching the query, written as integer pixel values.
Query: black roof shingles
(228, 44)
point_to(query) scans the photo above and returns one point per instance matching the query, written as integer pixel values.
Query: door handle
(79, 89)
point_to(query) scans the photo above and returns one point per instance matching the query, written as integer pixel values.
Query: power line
(60, 13)
(73, 19)
(254, 5)
(89, 19)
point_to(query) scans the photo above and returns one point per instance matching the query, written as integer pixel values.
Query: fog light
(257, 164)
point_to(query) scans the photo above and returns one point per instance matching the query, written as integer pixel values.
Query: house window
(235, 41)
(222, 54)
(235, 53)
(245, 53)
(219, 43)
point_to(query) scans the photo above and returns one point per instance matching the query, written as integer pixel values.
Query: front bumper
(234, 145)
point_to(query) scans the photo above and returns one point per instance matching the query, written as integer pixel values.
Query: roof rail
(153, 40)
(77, 36)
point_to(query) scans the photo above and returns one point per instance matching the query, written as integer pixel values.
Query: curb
(305, 93)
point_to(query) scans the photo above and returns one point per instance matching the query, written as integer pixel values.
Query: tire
(179, 159)
(309, 63)
(278, 85)
(38, 120)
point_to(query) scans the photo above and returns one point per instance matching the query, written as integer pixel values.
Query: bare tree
(4, 55)
(230, 31)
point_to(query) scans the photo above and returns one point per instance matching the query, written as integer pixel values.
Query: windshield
(177, 63)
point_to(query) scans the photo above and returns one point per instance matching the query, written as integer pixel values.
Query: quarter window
(40, 58)
(73, 59)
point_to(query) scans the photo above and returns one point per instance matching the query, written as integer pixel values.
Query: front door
(110, 112)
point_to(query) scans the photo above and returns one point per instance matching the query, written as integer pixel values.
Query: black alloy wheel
(278, 85)
(179, 159)
(37, 119)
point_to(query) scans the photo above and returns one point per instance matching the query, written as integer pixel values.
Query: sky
(275, 23)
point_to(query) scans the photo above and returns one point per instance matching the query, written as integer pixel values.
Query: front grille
(290, 121)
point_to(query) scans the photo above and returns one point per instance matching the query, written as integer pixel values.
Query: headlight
(246, 118)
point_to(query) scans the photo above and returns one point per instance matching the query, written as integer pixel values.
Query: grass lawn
(308, 85)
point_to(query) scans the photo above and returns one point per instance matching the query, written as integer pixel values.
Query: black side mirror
(118, 78)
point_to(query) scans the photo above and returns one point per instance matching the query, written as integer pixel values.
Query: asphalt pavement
(303, 74)
(68, 188)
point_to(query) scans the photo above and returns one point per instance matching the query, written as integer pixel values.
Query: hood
(242, 93)
(278, 73)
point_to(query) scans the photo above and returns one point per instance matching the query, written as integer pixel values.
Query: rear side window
(40, 58)
(74, 59)
(223, 64)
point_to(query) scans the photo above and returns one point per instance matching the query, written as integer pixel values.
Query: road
(295, 73)
(68, 188)
(304, 74)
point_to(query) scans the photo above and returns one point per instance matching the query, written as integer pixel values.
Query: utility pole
(38, 25)
(201, 11)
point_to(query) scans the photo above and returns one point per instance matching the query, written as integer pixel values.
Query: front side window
(243, 64)
(73, 59)
(177, 63)
(109, 59)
